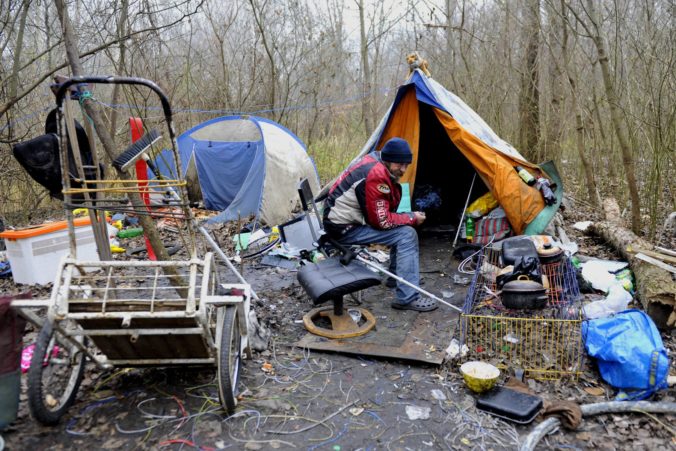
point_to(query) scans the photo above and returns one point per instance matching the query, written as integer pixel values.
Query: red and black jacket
(365, 193)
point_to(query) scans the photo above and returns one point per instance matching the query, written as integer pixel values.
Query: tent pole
(455, 241)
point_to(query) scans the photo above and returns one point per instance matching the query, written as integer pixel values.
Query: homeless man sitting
(361, 208)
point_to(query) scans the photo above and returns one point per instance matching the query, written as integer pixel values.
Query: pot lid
(549, 251)
(523, 286)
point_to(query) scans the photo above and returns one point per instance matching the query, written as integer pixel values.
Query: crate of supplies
(34, 253)
(547, 342)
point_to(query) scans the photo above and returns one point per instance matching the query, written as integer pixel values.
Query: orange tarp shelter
(451, 143)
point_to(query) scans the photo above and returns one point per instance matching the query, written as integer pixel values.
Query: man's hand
(419, 217)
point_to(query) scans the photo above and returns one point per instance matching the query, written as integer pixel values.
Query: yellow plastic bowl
(479, 376)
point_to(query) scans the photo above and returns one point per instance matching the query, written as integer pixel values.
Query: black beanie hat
(396, 150)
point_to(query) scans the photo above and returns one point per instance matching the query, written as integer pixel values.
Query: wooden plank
(403, 335)
(658, 256)
(656, 262)
(665, 251)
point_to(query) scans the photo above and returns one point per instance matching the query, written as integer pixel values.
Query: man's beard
(395, 175)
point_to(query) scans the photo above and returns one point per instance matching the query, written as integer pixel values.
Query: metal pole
(399, 279)
(225, 258)
(463, 211)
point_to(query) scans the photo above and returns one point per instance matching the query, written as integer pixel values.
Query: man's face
(397, 169)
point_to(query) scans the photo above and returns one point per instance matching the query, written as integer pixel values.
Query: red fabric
(382, 197)
(136, 128)
(488, 228)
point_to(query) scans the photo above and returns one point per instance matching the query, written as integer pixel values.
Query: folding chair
(331, 279)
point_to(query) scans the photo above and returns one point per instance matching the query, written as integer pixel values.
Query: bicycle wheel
(55, 373)
(259, 246)
(230, 359)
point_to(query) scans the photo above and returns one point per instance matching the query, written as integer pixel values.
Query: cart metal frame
(134, 314)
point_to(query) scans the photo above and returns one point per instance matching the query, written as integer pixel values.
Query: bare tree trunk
(365, 70)
(258, 17)
(18, 50)
(616, 117)
(530, 80)
(450, 9)
(121, 31)
(592, 190)
(108, 144)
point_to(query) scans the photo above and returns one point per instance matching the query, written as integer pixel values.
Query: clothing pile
(485, 220)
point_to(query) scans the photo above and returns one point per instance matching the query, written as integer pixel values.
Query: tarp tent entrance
(247, 165)
(451, 143)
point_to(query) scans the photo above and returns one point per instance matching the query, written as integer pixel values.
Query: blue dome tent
(247, 165)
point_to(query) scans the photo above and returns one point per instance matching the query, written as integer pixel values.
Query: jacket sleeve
(378, 204)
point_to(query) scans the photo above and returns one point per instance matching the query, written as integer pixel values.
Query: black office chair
(331, 279)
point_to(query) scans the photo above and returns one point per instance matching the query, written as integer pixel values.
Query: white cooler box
(35, 253)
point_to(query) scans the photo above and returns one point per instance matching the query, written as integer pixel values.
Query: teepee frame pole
(464, 210)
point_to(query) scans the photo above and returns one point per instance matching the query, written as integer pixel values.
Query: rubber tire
(36, 400)
(229, 362)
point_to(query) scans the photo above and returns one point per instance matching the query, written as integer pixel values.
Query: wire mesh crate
(546, 343)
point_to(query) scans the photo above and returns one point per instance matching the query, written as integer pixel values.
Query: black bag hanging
(40, 158)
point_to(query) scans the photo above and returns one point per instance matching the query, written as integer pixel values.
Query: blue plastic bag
(630, 353)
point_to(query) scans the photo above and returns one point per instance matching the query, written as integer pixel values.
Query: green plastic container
(10, 386)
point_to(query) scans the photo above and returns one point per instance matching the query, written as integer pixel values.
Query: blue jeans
(403, 242)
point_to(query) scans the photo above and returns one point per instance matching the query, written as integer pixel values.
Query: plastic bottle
(317, 256)
(525, 175)
(469, 229)
(130, 233)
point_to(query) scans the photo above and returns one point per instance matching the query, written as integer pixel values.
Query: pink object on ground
(27, 356)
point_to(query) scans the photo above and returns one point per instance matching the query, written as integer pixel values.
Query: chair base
(342, 326)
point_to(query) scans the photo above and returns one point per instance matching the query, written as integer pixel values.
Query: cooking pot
(549, 254)
(524, 294)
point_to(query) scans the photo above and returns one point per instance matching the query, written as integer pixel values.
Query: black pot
(524, 294)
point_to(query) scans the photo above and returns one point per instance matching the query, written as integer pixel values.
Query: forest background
(587, 83)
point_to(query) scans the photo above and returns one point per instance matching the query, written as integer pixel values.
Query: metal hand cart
(133, 313)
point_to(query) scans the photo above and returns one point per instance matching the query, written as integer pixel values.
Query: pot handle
(523, 277)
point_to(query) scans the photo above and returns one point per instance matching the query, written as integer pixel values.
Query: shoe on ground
(419, 305)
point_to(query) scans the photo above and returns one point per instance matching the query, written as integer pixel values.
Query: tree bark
(365, 69)
(592, 189)
(18, 49)
(656, 289)
(616, 117)
(258, 17)
(530, 81)
(121, 63)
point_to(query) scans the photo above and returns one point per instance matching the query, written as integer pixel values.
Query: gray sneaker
(419, 305)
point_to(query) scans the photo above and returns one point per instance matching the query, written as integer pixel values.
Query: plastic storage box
(35, 253)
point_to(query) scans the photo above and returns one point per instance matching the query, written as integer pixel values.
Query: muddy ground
(330, 401)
